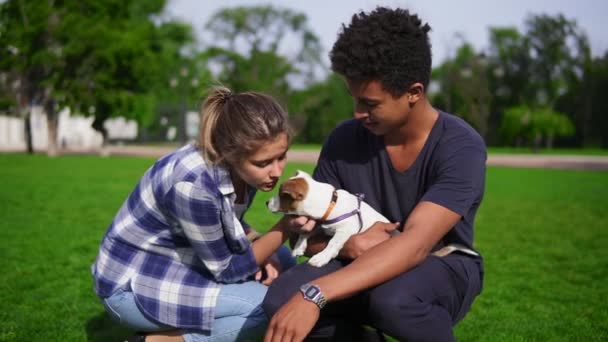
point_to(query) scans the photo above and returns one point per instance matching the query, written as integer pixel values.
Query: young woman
(178, 262)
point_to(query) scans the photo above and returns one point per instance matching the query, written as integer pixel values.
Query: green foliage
(548, 66)
(102, 58)
(248, 44)
(464, 87)
(317, 110)
(542, 234)
(558, 50)
(245, 30)
(534, 124)
(111, 57)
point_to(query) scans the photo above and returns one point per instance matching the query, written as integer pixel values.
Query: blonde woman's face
(263, 168)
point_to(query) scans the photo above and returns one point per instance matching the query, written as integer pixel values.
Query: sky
(468, 18)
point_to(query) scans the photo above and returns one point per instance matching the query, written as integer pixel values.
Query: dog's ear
(291, 193)
(294, 189)
(300, 173)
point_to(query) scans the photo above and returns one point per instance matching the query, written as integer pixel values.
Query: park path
(509, 160)
(576, 162)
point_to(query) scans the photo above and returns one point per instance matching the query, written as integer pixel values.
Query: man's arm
(426, 225)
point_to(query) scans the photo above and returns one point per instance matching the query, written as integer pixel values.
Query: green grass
(553, 151)
(543, 234)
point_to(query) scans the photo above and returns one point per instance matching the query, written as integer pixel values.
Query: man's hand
(294, 320)
(359, 243)
(269, 271)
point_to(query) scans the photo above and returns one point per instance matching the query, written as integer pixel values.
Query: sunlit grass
(542, 232)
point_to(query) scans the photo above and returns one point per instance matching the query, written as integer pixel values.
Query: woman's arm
(264, 246)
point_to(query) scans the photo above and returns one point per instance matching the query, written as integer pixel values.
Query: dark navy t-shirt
(449, 171)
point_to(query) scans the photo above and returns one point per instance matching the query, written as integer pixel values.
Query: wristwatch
(313, 293)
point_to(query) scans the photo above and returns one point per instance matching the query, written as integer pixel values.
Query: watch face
(311, 292)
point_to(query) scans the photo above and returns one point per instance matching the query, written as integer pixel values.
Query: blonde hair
(234, 125)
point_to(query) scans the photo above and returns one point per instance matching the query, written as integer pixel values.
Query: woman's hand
(298, 224)
(269, 271)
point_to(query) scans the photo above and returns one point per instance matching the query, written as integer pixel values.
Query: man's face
(376, 108)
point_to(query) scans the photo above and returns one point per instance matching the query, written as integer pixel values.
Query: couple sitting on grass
(179, 263)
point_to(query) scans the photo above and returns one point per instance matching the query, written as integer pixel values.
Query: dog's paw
(296, 253)
(319, 260)
(298, 250)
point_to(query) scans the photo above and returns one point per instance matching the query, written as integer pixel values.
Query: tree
(586, 98)
(558, 50)
(463, 83)
(25, 37)
(535, 125)
(599, 103)
(561, 65)
(508, 72)
(249, 44)
(316, 110)
(99, 58)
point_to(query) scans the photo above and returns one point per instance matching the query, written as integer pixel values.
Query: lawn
(553, 151)
(543, 234)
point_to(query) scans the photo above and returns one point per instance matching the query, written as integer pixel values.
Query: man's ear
(415, 93)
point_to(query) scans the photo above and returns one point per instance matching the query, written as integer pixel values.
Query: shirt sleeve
(460, 177)
(198, 213)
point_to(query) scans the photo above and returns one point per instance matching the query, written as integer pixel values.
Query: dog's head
(291, 194)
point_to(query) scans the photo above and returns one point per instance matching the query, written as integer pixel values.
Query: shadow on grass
(102, 328)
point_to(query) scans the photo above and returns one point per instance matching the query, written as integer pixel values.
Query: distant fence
(73, 131)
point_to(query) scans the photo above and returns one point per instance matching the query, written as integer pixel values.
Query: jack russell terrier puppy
(338, 213)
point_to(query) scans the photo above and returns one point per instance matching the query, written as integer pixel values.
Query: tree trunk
(536, 143)
(52, 118)
(27, 123)
(549, 142)
(97, 125)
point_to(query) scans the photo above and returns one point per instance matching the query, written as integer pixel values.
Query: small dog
(338, 212)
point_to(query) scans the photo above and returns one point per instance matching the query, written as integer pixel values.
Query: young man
(416, 165)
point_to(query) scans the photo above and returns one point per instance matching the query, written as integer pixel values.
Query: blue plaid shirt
(175, 240)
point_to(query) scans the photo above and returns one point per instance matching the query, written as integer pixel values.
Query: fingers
(271, 274)
(301, 224)
(385, 227)
(390, 227)
(309, 226)
(299, 220)
(276, 332)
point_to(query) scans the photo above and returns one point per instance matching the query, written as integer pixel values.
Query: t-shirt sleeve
(460, 176)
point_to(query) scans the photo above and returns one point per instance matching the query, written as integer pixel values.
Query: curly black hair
(387, 45)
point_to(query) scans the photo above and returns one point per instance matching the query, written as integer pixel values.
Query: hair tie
(228, 95)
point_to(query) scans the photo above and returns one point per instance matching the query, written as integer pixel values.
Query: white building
(73, 132)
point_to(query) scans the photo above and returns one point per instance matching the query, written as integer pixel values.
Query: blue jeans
(238, 311)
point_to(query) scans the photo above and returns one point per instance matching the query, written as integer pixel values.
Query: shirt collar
(224, 182)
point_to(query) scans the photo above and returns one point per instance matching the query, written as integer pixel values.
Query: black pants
(420, 305)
